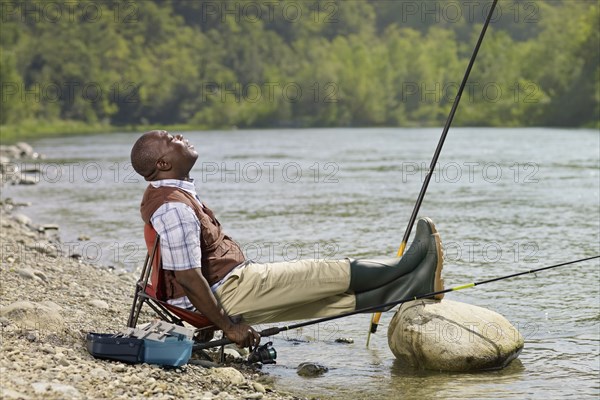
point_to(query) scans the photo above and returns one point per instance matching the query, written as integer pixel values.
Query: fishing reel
(264, 354)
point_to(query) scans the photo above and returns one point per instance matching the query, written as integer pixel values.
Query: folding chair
(153, 293)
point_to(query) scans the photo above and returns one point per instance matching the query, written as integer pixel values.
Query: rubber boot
(367, 275)
(426, 278)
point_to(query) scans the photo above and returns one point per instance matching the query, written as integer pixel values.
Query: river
(504, 200)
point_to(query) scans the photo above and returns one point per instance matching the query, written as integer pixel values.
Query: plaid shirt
(179, 231)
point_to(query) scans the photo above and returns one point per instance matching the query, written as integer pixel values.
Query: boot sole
(431, 224)
(438, 284)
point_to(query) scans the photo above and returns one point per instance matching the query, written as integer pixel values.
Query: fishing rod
(278, 329)
(436, 155)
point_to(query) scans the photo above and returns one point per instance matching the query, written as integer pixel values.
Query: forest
(317, 63)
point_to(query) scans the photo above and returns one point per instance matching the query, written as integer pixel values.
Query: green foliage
(242, 63)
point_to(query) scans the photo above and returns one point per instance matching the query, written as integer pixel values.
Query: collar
(188, 186)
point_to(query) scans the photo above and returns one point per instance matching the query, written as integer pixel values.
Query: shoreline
(33, 130)
(12, 134)
(49, 302)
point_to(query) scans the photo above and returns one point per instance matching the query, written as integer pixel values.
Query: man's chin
(192, 160)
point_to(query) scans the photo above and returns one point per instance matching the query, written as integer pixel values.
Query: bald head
(160, 155)
(145, 153)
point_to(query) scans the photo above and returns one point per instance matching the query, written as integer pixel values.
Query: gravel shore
(48, 303)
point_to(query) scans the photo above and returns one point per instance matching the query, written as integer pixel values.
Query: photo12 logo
(471, 172)
(468, 10)
(465, 332)
(54, 12)
(491, 92)
(123, 254)
(70, 92)
(269, 171)
(89, 172)
(491, 252)
(269, 252)
(289, 92)
(270, 11)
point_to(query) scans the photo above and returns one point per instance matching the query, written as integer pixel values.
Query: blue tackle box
(174, 351)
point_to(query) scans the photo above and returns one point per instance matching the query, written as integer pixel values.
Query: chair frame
(162, 309)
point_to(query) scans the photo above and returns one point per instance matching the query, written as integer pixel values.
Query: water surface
(504, 200)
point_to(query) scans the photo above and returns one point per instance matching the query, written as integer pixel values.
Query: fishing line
(275, 330)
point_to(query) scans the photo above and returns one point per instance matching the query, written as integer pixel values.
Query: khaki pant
(287, 291)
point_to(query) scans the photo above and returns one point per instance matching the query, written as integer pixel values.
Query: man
(209, 272)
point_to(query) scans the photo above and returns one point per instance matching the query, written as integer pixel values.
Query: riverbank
(28, 130)
(48, 303)
(36, 130)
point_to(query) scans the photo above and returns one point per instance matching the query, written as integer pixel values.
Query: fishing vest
(220, 254)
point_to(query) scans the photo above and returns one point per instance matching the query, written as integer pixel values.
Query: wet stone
(310, 369)
(344, 340)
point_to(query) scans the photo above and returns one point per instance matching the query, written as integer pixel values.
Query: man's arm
(197, 290)
(179, 231)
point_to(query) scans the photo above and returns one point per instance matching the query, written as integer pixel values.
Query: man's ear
(163, 165)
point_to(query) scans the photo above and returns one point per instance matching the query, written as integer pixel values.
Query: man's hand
(197, 290)
(243, 335)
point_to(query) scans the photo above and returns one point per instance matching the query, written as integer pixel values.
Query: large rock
(27, 315)
(61, 390)
(452, 336)
(25, 149)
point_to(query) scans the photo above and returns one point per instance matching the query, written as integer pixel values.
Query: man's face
(176, 150)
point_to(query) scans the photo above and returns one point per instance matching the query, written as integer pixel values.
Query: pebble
(309, 369)
(233, 353)
(48, 349)
(229, 375)
(41, 275)
(52, 305)
(344, 340)
(98, 304)
(26, 273)
(27, 180)
(119, 368)
(64, 362)
(66, 390)
(25, 149)
(33, 336)
(258, 387)
(22, 219)
(40, 365)
(13, 394)
(99, 373)
(49, 227)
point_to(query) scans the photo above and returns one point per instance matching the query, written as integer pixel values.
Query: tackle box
(105, 345)
(174, 351)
